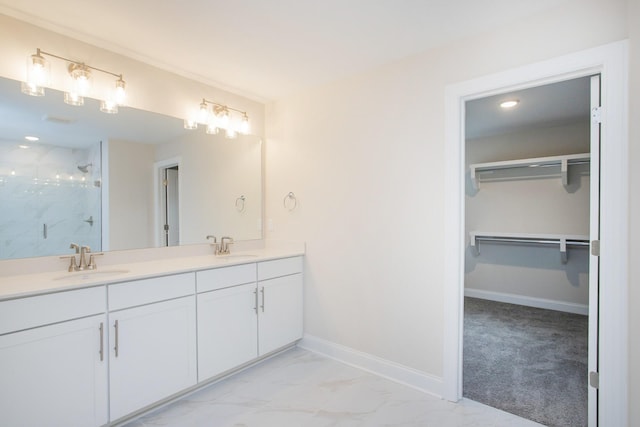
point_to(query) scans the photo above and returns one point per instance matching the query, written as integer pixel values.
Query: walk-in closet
(528, 223)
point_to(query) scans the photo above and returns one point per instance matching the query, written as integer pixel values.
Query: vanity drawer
(279, 267)
(31, 312)
(147, 291)
(218, 278)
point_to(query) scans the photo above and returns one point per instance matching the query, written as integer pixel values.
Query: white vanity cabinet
(227, 324)
(280, 303)
(53, 367)
(152, 341)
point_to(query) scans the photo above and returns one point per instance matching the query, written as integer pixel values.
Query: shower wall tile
(43, 185)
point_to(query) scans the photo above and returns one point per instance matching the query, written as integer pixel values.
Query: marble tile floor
(301, 388)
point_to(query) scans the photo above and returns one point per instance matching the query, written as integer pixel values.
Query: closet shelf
(562, 240)
(563, 161)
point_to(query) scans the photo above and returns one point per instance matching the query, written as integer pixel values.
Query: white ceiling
(267, 49)
(553, 104)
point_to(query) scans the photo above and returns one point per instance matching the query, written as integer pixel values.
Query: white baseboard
(548, 304)
(378, 366)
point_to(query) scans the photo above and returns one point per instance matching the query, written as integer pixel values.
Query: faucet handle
(215, 244)
(73, 266)
(92, 262)
(224, 244)
(75, 246)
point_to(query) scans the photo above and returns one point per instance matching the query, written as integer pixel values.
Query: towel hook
(240, 203)
(290, 201)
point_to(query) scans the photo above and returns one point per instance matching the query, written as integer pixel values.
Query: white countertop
(17, 286)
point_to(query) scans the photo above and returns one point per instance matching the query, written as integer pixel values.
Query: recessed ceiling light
(31, 138)
(509, 104)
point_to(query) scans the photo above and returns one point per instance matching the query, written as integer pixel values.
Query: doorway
(167, 202)
(170, 207)
(527, 274)
(610, 61)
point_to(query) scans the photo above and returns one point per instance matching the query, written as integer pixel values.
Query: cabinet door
(152, 353)
(227, 329)
(280, 312)
(55, 375)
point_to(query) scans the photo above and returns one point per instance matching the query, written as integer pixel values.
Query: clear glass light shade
(72, 98)
(31, 89)
(212, 129)
(203, 113)
(222, 118)
(190, 124)
(38, 75)
(80, 79)
(108, 106)
(120, 94)
(244, 127)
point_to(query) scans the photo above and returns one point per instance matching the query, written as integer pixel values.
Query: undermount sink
(89, 274)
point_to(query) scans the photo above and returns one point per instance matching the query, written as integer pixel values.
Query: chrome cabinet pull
(115, 325)
(262, 292)
(255, 307)
(101, 341)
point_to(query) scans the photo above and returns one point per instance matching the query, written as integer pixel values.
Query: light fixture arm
(221, 107)
(40, 52)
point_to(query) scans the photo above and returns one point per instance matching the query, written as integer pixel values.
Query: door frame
(611, 62)
(158, 177)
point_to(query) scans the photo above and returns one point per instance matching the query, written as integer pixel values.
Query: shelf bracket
(473, 244)
(564, 167)
(474, 178)
(563, 250)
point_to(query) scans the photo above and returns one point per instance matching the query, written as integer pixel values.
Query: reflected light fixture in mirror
(39, 75)
(220, 117)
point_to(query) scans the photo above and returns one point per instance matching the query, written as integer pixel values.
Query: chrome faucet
(74, 265)
(216, 246)
(224, 245)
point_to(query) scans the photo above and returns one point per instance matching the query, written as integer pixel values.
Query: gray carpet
(527, 361)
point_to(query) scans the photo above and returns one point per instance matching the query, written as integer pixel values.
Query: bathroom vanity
(97, 348)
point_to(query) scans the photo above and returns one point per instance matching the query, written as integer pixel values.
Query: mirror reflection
(130, 180)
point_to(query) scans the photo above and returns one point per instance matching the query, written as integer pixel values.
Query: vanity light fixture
(39, 75)
(509, 104)
(31, 138)
(219, 117)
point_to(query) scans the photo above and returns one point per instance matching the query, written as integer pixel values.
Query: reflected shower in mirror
(99, 180)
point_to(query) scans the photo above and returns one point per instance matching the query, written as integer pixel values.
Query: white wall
(214, 173)
(521, 204)
(365, 157)
(130, 176)
(633, 18)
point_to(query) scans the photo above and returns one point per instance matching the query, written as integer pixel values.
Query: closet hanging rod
(536, 239)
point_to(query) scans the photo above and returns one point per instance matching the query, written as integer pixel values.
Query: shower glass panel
(51, 196)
